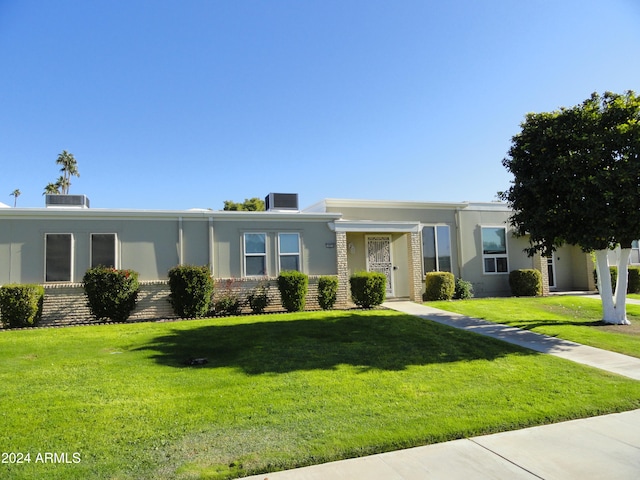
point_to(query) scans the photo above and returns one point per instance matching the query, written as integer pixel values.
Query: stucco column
(343, 296)
(415, 266)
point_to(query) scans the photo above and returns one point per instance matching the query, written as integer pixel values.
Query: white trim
(495, 256)
(435, 237)
(171, 215)
(211, 246)
(245, 254)
(323, 205)
(280, 254)
(364, 226)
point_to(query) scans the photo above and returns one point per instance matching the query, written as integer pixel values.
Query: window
(494, 249)
(255, 254)
(436, 249)
(635, 252)
(103, 249)
(58, 257)
(289, 251)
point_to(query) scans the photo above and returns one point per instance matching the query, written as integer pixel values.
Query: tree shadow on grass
(386, 342)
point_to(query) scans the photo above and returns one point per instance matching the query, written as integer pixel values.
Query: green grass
(279, 391)
(572, 318)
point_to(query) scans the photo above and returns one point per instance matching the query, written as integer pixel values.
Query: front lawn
(278, 391)
(572, 318)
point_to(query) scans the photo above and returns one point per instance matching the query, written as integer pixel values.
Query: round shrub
(526, 282)
(368, 289)
(634, 280)
(439, 286)
(463, 290)
(21, 305)
(293, 286)
(327, 292)
(111, 294)
(191, 290)
(258, 298)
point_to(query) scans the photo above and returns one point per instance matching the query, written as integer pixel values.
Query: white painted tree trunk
(614, 309)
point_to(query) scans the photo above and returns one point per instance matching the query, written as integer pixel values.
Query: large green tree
(577, 181)
(250, 204)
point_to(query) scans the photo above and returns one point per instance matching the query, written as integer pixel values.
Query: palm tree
(15, 194)
(51, 189)
(69, 169)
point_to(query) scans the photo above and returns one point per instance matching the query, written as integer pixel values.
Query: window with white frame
(436, 249)
(289, 251)
(255, 254)
(494, 250)
(103, 249)
(635, 252)
(58, 255)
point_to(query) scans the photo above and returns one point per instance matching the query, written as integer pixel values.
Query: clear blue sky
(183, 104)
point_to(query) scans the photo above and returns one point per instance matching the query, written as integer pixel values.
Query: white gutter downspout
(211, 250)
(459, 242)
(180, 247)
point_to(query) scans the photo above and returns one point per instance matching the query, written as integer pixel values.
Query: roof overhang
(374, 226)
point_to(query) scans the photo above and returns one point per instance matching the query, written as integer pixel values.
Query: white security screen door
(379, 258)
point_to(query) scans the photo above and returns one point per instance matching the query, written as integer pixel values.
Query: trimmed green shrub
(463, 290)
(111, 294)
(327, 292)
(228, 302)
(613, 271)
(21, 305)
(368, 289)
(191, 290)
(634, 280)
(293, 286)
(258, 299)
(526, 282)
(439, 286)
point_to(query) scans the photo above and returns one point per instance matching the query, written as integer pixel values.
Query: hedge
(439, 286)
(526, 282)
(293, 286)
(111, 294)
(327, 292)
(368, 289)
(21, 305)
(191, 290)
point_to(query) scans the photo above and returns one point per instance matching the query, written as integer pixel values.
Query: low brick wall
(66, 304)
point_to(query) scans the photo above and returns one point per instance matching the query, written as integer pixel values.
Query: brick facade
(415, 266)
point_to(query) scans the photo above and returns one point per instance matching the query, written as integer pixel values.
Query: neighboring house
(55, 245)
(471, 240)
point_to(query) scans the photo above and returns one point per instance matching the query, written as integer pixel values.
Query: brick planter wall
(66, 304)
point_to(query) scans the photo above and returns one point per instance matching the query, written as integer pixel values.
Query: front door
(379, 258)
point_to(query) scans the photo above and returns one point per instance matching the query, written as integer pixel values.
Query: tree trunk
(621, 286)
(613, 311)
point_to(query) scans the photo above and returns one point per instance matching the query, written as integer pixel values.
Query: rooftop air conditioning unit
(66, 201)
(281, 201)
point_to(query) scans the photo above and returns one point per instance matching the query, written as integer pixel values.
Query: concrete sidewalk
(605, 447)
(594, 357)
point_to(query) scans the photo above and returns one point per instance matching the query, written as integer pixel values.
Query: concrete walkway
(605, 447)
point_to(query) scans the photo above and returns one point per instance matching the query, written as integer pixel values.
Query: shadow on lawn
(367, 341)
